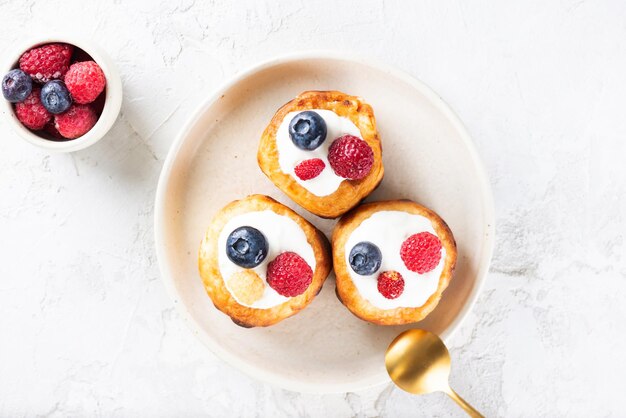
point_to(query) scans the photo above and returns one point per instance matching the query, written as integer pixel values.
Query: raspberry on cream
(289, 274)
(350, 157)
(309, 169)
(421, 252)
(390, 284)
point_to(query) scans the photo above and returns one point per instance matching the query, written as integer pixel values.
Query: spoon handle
(463, 404)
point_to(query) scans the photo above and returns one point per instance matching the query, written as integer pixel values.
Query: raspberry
(390, 284)
(351, 157)
(309, 169)
(289, 274)
(421, 252)
(31, 112)
(85, 81)
(77, 121)
(47, 62)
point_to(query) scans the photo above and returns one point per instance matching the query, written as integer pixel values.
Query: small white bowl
(112, 103)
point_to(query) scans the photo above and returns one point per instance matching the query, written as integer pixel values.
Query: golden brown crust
(346, 290)
(350, 192)
(214, 282)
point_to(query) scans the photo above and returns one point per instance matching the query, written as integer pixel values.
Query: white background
(86, 328)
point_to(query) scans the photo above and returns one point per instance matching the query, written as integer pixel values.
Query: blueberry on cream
(365, 258)
(246, 246)
(307, 130)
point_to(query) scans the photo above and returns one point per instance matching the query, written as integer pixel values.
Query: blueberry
(55, 97)
(246, 247)
(16, 86)
(365, 258)
(307, 130)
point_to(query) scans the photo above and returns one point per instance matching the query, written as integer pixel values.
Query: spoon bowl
(418, 362)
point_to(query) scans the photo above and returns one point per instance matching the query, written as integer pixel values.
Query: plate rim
(255, 372)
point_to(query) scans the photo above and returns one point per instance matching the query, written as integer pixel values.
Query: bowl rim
(112, 99)
(164, 184)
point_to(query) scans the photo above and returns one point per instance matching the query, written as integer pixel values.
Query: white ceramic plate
(428, 157)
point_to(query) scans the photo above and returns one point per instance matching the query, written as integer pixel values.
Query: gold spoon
(418, 362)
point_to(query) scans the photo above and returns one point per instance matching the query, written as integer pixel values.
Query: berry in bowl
(61, 95)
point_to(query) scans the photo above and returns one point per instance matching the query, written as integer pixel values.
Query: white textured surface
(86, 327)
